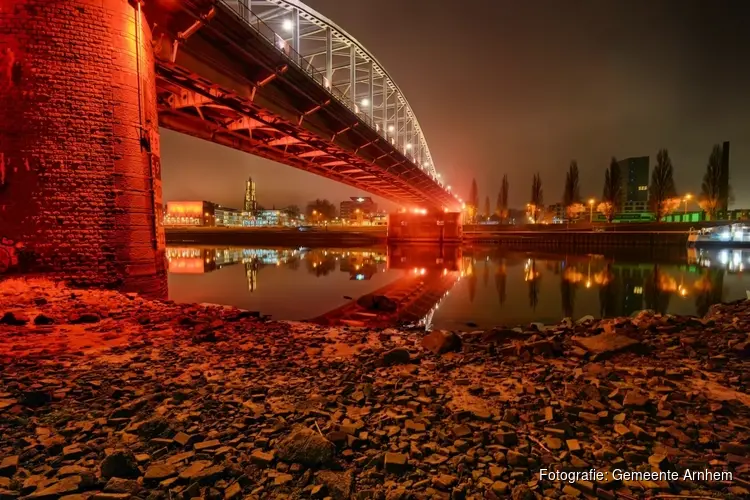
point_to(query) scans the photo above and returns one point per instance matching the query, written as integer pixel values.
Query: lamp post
(315, 215)
(591, 210)
(687, 198)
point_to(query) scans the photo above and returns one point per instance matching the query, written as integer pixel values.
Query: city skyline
(532, 107)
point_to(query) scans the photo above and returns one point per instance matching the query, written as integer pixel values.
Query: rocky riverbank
(113, 397)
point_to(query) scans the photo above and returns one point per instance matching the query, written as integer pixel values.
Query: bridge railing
(298, 60)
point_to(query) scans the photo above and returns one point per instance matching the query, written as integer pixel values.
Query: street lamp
(591, 210)
(687, 198)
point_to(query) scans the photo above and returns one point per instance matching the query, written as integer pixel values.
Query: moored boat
(730, 236)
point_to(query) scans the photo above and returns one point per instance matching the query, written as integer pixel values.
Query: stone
(119, 485)
(397, 356)
(207, 445)
(261, 458)
(395, 462)
(43, 319)
(635, 399)
(232, 491)
(65, 486)
(160, 471)
(9, 466)
(307, 447)
(338, 484)
(440, 342)
(119, 463)
(500, 487)
(85, 318)
(506, 438)
(522, 492)
(608, 343)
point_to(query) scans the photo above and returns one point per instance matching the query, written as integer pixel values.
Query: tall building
(635, 179)
(724, 184)
(365, 205)
(251, 203)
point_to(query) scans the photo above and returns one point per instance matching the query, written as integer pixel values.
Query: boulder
(441, 341)
(306, 447)
(120, 463)
(338, 484)
(397, 356)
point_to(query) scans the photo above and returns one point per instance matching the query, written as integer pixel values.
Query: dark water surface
(456, 287)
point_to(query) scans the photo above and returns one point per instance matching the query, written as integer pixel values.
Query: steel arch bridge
(277, 79)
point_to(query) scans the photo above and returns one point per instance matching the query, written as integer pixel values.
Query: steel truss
(348, 70)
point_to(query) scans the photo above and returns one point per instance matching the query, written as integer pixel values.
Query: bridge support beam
(80, 176)
(422, 226)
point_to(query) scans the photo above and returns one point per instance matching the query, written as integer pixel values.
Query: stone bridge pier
(80, 176)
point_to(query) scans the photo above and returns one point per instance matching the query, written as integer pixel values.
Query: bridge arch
(318, 45)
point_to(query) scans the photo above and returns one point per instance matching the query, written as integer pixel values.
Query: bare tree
(537, 197)
(572, 191)
(710, 200)
(612, 195)
(502, 199)
(662, 188)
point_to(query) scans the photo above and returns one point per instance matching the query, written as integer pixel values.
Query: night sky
(508, 86)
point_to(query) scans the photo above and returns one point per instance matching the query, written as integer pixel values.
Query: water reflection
(323, 284)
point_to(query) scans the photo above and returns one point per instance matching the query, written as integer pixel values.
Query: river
(454, 288)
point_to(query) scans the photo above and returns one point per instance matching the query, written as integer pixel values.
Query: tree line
(662, 199)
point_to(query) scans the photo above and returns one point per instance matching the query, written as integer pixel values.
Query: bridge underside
(229, 85)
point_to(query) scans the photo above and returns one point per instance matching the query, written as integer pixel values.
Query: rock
(119, 485)
(261, 459)
(635, 399)
(395, 462)
(397, 356)
(338, 484)
(159, 472)
(13, 319)
(85, 318)
(65, 486)
(522, 492)
(307, 447)
(500, 488)
(377, 303)
(440, 342)
(43, 319)
(119, 463)
(9, 466)
(608, 343)
(506, 438)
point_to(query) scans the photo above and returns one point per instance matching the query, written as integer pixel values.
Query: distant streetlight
(591, 210)
(365, 102)
(687, 198)
(288, 25)
(390, 128)
(408, 146)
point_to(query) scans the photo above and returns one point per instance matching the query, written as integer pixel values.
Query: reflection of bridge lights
(288, 25)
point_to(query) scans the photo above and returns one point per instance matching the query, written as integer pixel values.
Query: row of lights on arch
(288, 25)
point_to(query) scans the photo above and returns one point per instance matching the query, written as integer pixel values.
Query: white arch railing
(317, 46)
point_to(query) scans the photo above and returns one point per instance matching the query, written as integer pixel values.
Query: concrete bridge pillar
(80, 176)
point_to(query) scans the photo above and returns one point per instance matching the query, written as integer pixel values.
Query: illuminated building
(189, 213)
(251, 203)
(348, 210)
(202, 213)
(635, 180)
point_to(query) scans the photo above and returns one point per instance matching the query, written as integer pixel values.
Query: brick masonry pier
(80, 184)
